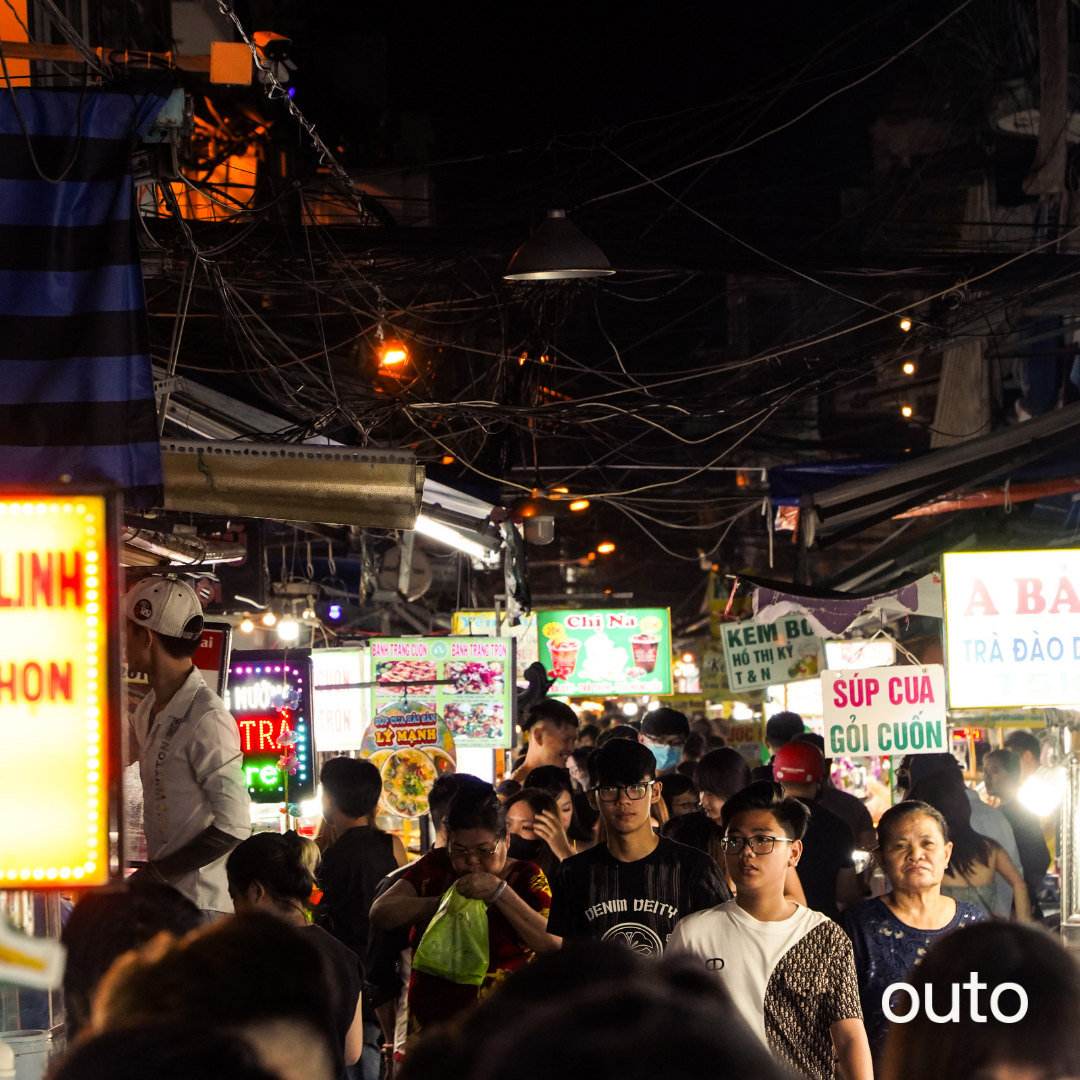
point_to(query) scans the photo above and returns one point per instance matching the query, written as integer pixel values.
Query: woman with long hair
(566, 833)
(975, 859)
(527, 814)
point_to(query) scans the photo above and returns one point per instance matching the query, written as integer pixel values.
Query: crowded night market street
(540, 543)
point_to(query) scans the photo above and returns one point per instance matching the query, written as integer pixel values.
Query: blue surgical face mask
(667, 757)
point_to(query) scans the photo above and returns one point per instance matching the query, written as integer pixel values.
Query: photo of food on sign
(410, 745)
(408, 676)
(622, 652)
(474, 720)
(474, 677)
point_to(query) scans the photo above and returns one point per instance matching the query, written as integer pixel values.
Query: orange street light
(579, 504)
(906, 410)
(606, 548)
(905, 325)
(909, 368)
(392, 351)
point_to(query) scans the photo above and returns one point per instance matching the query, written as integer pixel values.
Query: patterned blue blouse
(886, 950)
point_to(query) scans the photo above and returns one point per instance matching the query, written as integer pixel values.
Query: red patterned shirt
(433, 1000)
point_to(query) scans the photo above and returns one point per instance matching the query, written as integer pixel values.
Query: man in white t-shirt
(789, 970)
(196, 807)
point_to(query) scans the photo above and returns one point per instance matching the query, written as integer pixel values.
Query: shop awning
(839, 512)
(832, 613)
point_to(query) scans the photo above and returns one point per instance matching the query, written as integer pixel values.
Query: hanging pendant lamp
(557, 251)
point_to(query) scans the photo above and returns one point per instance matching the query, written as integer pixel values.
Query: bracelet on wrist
(499, 890)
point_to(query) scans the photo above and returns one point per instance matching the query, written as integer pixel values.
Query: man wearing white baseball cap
(196, 806)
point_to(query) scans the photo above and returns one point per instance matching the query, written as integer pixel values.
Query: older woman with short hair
(891, 933)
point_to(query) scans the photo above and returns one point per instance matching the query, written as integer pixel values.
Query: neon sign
(58, 678)
(269, 694)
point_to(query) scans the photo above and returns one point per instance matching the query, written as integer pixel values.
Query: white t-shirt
(790, 980)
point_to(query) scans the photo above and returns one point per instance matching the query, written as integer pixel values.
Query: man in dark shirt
(360, 857)
(780, 729)
(843, 804)
(1002, 774)
(827, 870)
(635, 887)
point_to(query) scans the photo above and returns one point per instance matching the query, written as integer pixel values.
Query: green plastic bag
(455, 943)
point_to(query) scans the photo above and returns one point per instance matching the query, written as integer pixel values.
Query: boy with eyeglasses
(790, 971)
(636, 886)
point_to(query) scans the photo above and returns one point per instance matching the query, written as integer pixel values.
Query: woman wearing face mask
(523, 815)
(891, 933)
(475, 861)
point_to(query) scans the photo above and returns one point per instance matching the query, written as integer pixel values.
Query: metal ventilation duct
(337, 485)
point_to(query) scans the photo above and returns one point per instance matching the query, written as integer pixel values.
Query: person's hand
(549, 828)
(478, 886)
(147, 874)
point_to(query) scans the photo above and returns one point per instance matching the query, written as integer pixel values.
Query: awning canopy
(838, 512)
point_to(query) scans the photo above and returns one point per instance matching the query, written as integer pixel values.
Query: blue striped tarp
(76, 385)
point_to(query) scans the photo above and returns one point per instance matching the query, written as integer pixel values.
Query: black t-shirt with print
(594, 895)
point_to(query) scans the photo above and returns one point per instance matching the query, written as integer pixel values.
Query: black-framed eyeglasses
(634, 792)
(759, 845)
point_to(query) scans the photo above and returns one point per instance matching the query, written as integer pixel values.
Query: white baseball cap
(165, 605)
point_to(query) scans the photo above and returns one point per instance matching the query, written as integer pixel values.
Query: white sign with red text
(1012, 628)
(885, 710)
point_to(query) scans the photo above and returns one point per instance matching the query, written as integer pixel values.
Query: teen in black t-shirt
(635, 887)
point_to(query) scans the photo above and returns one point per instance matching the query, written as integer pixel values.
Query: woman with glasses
(789, 970)
(891, 933)
(474, 862)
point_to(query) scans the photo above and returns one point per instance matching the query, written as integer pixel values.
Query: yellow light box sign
(54, 690)
(1012, 628)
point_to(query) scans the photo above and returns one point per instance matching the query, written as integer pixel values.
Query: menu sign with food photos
(467, 681)
(607, 652)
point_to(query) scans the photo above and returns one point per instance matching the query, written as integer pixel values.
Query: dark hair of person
(588, 731)
(696, 830)
(782, 727)
(550, 711)
(1020, 741)
(1009, 760)
(277, 861)
(675, 785)
(162, 1051)
(354, 784)
(663, 721)
(616, 731)
(945, 792)
(814, 739)
(476, 806)
(1042, 1043)
(716, 742)
(249, 969)
(552, 778)
(695, 745)
(179, 648)
(791, 815)
(723, 772)
(621, 762)
(539, 800)
(446, 787)
(581, 756)
(108, 923)
(899, 813)
(689, 770)
(604, 1013)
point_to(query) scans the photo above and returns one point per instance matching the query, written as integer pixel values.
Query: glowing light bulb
(905, 325)
(288, 629)
(269, 619)
(247, 626)
(391, 352)
(579, 504)
(906, 411)
(606, 548)
(909, 368)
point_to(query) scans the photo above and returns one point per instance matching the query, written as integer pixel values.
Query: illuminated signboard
(59, 689)
(771, 654)
(341, 716)
(607, 652)
(269, 694)
(468, 681)
(1012, 628)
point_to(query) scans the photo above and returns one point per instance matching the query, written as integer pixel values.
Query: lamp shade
(557, 251)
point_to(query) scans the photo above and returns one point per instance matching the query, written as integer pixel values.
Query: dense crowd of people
(632, 900)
